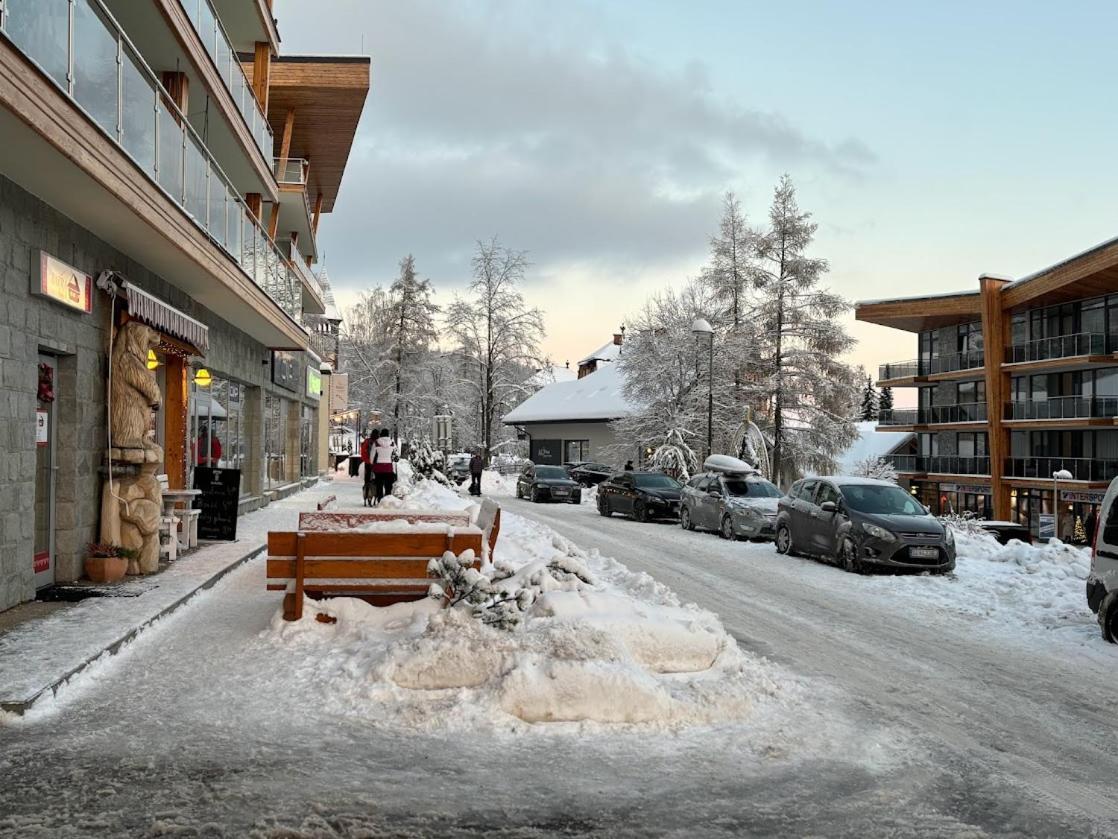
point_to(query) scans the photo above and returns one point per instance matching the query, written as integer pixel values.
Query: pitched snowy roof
(870, 443)
(606, 352)
(551, 375)
(598, 396)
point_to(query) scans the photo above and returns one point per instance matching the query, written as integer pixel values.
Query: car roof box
(727, 465)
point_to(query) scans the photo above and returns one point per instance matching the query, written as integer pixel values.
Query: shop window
(307, 440)
(577, 451)
(275, 441)
(217, 428)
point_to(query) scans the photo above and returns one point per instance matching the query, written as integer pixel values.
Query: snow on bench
(382, 567)
(338, 520)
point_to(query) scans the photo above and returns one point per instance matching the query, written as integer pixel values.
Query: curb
(21, 706)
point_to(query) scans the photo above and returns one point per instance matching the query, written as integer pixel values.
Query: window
(697, 482)
(217, 428)
(827, 493)
(1093, 316)
(655, 481)
(307, 442)
(807, 490)
(551, 473)
(929, 350)
(1020, 329)
(750, 488)
(577, 451)
(275, 440)
(882, 500)
(1110, 527)
(970, 337)
(972, 444)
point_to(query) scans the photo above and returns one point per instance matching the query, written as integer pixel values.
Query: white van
(1102, 584)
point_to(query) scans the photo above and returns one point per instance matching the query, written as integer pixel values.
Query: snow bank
(619, 649)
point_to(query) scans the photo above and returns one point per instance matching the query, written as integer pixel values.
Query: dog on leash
(368, 493)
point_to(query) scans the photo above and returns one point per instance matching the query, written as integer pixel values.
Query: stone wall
(30, 326)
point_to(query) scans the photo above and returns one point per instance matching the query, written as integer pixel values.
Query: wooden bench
(380, 568)
(337, 520)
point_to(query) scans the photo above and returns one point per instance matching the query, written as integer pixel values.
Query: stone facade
(31, 325)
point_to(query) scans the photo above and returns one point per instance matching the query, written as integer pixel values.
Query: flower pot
(105, 569)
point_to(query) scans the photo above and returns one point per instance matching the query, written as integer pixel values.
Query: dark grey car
(548, 483)
(862, 523)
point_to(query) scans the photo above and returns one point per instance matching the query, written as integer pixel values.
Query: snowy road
(1020, 719)
(203, 727)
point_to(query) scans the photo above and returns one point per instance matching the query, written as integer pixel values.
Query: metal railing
(898, 370)
(1042, 468)
(79, 45)
(969, 360)
(306, 274)
(292, 171)
(905, 416)
(1063, 407)
(962, 412)
(1061, 346)
(216, 41)
(956, 465)
(905, 462)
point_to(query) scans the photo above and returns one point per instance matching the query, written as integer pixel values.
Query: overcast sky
(932, 141)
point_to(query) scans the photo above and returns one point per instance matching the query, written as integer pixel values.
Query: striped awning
(167, 319)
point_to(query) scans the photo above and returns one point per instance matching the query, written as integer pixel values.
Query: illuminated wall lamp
(153, 360)
(203, 378)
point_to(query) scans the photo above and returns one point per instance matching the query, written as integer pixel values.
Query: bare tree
(496, 333)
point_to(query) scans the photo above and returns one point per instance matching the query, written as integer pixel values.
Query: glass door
(43, 557)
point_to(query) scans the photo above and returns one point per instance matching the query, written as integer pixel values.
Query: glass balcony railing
(905, 416)
(957, 465)
(306, 274)
(1063, 407)
(291, 171)
(208, 26)
(898, 370)
(970, 360)
(120, 93)
(906, 462)
(1042, 468)
(1061, 346)
(945, 414)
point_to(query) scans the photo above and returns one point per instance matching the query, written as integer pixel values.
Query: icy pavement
(205, 726)
(40, 654)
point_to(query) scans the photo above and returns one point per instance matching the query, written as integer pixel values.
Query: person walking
(628, 466)
(383, 465)
(476, 465)
(1090, 524)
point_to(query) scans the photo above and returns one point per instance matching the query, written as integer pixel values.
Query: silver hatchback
(737, 506)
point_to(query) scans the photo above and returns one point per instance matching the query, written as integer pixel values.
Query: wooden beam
(317, 214)
(177, 86)
(273, 221)
(174, 424)
(261, 73)
(255, 204)
(285, 142)
(995, 333)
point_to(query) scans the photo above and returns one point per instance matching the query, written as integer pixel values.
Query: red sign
(64, 284)
(42, 562)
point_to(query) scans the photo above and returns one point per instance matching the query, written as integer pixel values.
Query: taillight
(1095, 535)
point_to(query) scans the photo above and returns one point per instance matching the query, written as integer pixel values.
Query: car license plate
(560, 492)
(923, 553)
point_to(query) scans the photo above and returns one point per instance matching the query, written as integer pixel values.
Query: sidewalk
(57, 641)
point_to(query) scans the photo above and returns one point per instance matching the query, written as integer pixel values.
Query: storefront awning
(155, 313)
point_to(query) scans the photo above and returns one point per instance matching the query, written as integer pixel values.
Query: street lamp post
(702, 327)
(1057, 476)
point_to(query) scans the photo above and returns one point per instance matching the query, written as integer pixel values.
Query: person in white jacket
(383, 459)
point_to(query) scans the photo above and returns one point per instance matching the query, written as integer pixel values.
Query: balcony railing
(208, 26)
(906, 416)
(898, 370)
(970, 360)
(292, 171)
(1061, 346)
(305, 273)
(906, 462)
(1042, 468)
(113, 86)
(1063, 407)
(956, 465)
(963, 412)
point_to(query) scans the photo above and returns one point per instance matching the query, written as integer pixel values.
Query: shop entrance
(45, 470)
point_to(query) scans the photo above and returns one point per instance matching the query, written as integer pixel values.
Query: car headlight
(949, 535)
(879, 533)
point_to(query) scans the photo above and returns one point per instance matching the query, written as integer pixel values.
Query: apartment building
(1017, 382)
(160, 161)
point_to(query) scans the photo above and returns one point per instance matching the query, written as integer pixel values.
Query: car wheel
(603, 508)
(535, 496)
(726, 529)
(784, 541)
(685, 519)
(1108, 618)
(640, 511)
(848, 554)
(519, 492)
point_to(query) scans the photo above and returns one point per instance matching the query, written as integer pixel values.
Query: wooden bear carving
(134, 392)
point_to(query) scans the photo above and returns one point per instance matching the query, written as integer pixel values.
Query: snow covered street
(881, 717)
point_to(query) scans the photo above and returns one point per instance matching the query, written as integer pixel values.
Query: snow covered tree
(810, 397)
(869, 402)
(874, 467)
(497, 335)
(885, 402)
(426, 461)
(410, 330)
(674, 457)
(727, 272)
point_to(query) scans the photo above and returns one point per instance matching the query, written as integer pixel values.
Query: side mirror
(714, 493)
(829, 507)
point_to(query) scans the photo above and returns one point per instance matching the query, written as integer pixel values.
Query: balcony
(970, 360)
(96, 66)
(1061, 346)
(906, 416)
(1063, 408)
(220, 48)
(295, 212)
(949, 414)
(909, 463)
(898, 370)
(955, 465)
(1042, 468)
(314, 297)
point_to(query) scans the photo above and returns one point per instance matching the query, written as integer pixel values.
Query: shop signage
(976, 489)
(1083, 496)
(1047, 526)
(63, 284)
(285, 369)
(42, 428)
(948, 488)
(41, 562)
(339, 392)
(314, 383)
(221, 492)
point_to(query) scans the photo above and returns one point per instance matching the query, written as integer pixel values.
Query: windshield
(655, 482)
(883, 500)
(551, 472)
(750, 489)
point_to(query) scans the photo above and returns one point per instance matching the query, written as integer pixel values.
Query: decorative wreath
(46, 383)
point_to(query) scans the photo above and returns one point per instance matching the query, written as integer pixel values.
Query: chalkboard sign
(221, 490)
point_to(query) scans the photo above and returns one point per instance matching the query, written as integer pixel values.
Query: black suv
(861, 523)
(589, 474)
(642, 495)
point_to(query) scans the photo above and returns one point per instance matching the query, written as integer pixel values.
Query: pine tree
(811, 397)
(411, 332)
(870, 405)
(886, 401)
(727, 272)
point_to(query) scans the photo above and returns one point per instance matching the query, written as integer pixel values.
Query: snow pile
(590, 495)
(494, 483)
(592, 643)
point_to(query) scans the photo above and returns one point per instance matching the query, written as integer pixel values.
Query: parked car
(548, 483)
(590, 474)
(1102, 582)
(643, 496)
(862, 523)
(458, 467)
(1004, 531)
(737, 506)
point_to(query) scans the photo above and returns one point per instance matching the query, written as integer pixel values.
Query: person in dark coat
(1090, 524)
(628, 466)
(476, 465)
